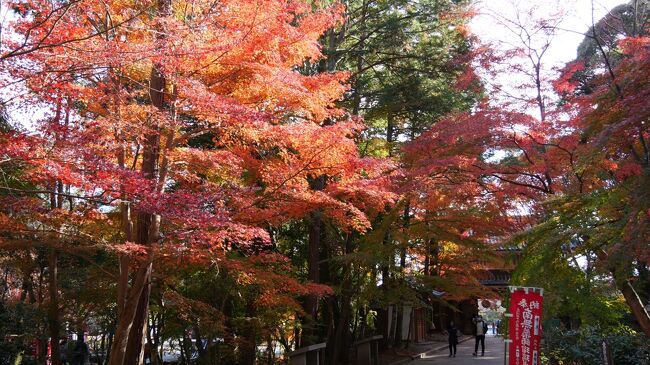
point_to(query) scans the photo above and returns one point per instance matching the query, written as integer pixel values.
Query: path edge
(430, 352)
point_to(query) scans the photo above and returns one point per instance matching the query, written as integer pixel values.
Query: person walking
(452, 332)
(480, 328)
(81, 352)
(64, 351)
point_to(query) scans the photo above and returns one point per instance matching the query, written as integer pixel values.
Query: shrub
(584, 346)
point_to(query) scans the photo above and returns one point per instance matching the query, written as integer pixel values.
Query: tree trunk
(631, 297)
(186, 348)
(435, 258)
(313, 263)
(382, 315)
(270, 356)
(147, 232)
(360, 331)
(137, 335)
(153, 337)
(311, 302)
(406, 221)
(390, 132)
(356, 104)
(53, 321)
(638, 310)
(132, 320)
(109, 345)
(248, 350)
(128, 341)
(403, 251)
(339, 342)
(126, 320)
(53, 310)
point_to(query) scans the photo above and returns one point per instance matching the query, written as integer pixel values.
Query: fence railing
(367, 350)
(366, 353)
(308, 355)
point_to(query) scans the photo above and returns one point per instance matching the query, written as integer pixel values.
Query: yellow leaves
(135, 113)
(137, 72)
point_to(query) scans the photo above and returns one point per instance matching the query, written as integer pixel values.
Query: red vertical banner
(525, 328)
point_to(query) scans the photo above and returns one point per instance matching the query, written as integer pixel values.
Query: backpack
(476, 327)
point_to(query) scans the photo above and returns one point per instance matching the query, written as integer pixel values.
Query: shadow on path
(493, 354)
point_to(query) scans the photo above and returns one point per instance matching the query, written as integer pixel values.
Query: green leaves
(584, 346)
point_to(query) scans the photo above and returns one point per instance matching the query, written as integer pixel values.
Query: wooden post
(506, 342)
(607, 354)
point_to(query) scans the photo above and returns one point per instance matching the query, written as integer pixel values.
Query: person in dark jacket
(81, 352)
(452, 332)
(480, 329)
(63, 349)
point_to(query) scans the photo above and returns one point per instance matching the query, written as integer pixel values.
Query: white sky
(577, 18)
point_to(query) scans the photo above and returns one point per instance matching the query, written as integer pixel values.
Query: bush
(584, 346)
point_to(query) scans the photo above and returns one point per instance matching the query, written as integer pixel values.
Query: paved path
(493, 354)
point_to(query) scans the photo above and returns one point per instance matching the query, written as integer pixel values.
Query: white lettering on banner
(517, 356)
(526, 329)
(522, 303)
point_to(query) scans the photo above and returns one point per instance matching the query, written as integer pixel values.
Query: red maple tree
(178, 129)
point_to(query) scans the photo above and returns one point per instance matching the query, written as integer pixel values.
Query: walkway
(493, 354)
